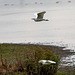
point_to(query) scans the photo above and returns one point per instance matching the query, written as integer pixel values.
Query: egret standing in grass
(39, 17)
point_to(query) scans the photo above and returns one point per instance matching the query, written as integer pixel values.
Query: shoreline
(60, 50)
(63, 52)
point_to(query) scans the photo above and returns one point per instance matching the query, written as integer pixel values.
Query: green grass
(11, 51)
(25, 57)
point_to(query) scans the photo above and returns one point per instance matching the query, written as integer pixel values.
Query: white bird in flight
(39, 17)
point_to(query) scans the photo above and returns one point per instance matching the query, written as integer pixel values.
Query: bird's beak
(32, 18)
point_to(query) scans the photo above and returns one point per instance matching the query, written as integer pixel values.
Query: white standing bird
(39, 17)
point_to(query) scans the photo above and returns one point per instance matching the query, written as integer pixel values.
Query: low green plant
(26, 59)
(61, 73)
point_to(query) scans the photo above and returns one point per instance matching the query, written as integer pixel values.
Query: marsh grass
(22, 59)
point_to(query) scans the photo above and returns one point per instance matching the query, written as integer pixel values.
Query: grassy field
(22, 59)
(12, 51)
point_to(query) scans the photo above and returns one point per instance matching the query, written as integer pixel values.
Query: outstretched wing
(40, 15)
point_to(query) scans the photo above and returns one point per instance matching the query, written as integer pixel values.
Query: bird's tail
(45, 19)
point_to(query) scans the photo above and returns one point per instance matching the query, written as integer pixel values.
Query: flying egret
(39, 17)
(47, 62)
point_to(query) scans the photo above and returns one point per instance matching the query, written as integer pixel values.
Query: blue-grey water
(16, 25)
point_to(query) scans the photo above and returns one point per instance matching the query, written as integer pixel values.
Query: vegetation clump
(22, 59)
